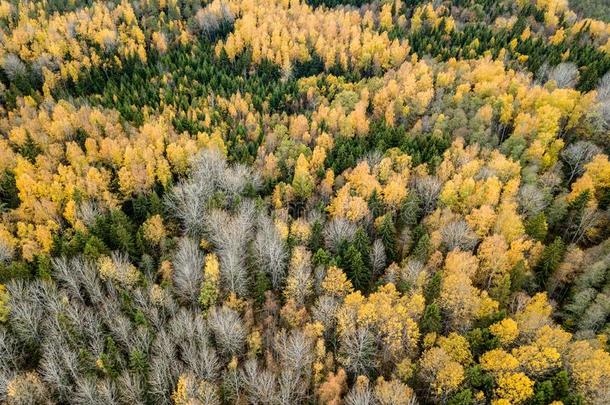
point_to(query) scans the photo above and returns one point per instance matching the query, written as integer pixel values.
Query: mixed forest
(278, 202)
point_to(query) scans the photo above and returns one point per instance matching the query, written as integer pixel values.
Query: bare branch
(188, 271)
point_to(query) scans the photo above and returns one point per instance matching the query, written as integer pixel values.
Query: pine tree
(551, 258)
(362, 244)
(375, 204)
(422, 249)
(537, 227)
(463, 397)
(431, 321)
(387, 233)
(433, 288)
(576, 210)
(410, 211)
(357, 272)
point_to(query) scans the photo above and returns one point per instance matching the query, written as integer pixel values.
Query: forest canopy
(304, 202)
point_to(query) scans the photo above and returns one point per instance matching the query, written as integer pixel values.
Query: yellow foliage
(336, 283)
(385, 312)
(590, 369)
(153, 229)
(457, 348)
(505, 330)
(118, 270)
(4, 304)
(498, 361)
(535, 314)
(340, 36)
(537, 360)
(514, 387)
(442, 373)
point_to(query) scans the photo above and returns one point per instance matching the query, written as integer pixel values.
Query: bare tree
(10, 354)
(164, 368)
(357, 351)
(89, 211)
(271, 250)
(411, 272)
(207, 393)
(192, 339)
(291, 388)
(295, 351)
(230, 235)
(578, 228)
(6, 252)
(325, 311)
(188, 201)
(26, 312)
(532, 200)
(236, 179)
(594, 317)
(458, 235)
(603, 88)
(337, 231)
(360, 394)
(13, 67)
(212, 17)
(427, 189)
(229, 331)
(188, 266)
(59, 366)
(378, 256)
(576, 155)
(603, 105)
(565, 75)
(86, 392)
(131, 388)
(260, 384)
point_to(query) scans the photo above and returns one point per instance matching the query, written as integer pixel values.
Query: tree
(576, 156)
(362, 244)
(228, 329)
(211, 280)
(549, 261)
(442, 374)
(357, 352)
(230, 235)
(271, 251)
(357, 271)
(564, 74)
(537, 227)
(303, 182)
(26, 388)
(505, 330)
(393, 392)
(432, 320)
(387, 234)
(332, 388)
(298, 283)
(457, 235)
(515, 387)
(427, 190)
